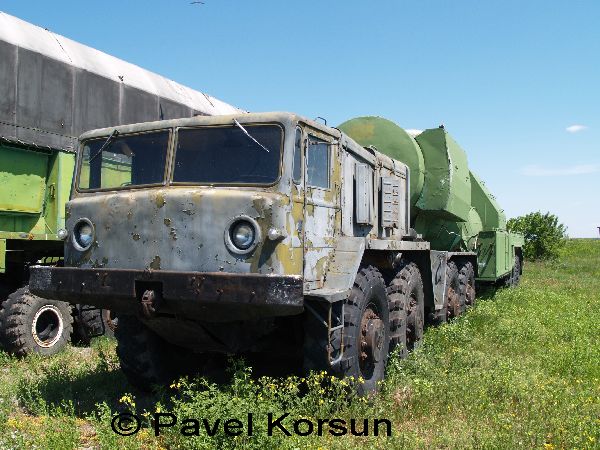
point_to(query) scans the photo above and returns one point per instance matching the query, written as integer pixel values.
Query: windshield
(127, 160)
(248, 154)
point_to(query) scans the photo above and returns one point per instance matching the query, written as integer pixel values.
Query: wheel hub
(453, 303)
(109, 320)
(372, 337)
(414, 322)
(47, 326)
(470, 294)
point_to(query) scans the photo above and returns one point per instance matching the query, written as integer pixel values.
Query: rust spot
(135, 236)
(155, 264)
(167, 221)
(97, 264)
(160, 200)
(173, 233)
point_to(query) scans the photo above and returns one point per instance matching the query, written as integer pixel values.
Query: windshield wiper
(248, 134)
(106, 144)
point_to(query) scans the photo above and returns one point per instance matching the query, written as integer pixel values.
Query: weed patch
(518, 370)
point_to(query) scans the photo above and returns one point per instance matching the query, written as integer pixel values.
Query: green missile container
(389, 138)
(450, 206)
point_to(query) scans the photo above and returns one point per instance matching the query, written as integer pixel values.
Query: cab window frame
(328, 144)
(298, 157)
(166, 171)
(173, 157)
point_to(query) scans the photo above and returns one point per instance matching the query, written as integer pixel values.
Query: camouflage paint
(181, 227)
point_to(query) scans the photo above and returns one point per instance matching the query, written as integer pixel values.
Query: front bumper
(219, 297)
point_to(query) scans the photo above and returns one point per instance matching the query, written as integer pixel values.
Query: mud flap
(439, 261)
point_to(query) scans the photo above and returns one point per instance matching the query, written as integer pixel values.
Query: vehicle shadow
(487, 291)
(80, 394)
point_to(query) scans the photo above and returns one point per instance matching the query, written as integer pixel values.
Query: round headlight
(242, 235)
(83, 234)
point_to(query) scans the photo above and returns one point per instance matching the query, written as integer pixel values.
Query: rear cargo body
(36, 184)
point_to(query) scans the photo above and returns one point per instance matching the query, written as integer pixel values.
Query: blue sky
(516, 82)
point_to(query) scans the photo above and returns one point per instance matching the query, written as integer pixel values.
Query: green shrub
(544, 234)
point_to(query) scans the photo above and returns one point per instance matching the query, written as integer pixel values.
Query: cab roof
(285, 118)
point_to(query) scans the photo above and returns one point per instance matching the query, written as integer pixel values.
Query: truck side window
(297, 176)
(317, 163)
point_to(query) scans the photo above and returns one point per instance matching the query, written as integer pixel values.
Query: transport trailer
(253, 233)
(52, 89)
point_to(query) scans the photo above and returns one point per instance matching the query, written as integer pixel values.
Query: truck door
(322, 214)
(297, 240)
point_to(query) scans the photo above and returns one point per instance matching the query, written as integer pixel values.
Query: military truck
(268, 233)
(51, 90)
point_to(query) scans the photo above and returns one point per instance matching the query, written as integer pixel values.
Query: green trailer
(36, 183)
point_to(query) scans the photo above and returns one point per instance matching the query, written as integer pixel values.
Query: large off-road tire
(366, 330)
(400, 289)
(514, 277)
(409, 284)
(32, 324)
(146, 359)
(89, 323)
(110, 322)
(316, 347)
(454, 304)
(5, 291)
(466, 279)
(366, 334)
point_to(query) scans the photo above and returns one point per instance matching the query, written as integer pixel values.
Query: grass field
(520, 370)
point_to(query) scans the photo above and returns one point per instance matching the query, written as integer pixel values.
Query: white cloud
(576, 128)
(413, 132)
(539, 171)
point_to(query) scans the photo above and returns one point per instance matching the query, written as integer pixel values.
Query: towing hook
(150, 302)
